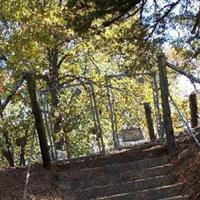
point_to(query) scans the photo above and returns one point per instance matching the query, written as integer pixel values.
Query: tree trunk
(168, 127)
(39, 124)
(68, 148)
(149, 121)
(22, 161)
(53, 84)
(8, 152)
(193, 110)
(54, 75)
(21, 142)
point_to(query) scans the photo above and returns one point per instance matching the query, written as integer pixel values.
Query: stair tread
(122, 156)
(145, 169)
(163, 187)
(124, 164)
(126, 187)
(122, 176)
(117, 168)
(176, 198)
(127, 182)
(168, 187)
(165, 165)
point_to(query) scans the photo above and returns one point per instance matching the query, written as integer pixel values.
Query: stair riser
(122, 177)
(125, 187)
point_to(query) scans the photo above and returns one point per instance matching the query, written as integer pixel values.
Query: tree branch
(10, 96)
(182, 72)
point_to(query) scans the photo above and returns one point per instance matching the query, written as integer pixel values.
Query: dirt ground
(187, 165)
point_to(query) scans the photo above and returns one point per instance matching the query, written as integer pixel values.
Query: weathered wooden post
(149, 121)
(193, 110)
(157, 108)
(39, 124)
(167, 121)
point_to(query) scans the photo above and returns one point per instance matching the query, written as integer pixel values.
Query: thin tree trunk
(22, 156)
(54, 75)
(149, 121)
(8, 152)
(68, 149)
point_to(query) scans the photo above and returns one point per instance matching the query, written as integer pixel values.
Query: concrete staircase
(143, 175)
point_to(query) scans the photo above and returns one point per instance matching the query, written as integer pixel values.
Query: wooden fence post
(39, 124)
(149, 121)
(193, 110)
(160, 130)
(167, 121)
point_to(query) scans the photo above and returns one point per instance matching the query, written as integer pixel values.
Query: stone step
(150, 194)
(112, 169)
(123, 156)
(125, 187)
(124, 176)
(186, 197)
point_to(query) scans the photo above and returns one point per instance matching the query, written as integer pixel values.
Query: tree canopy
(68, 42)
